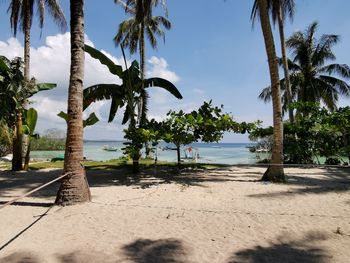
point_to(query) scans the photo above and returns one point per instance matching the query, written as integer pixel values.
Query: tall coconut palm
(132, 33)
(22, 13)
(279, 10)
(312, 79)
(74, 187)
(275, 172)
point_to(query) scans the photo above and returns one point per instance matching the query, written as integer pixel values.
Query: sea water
(223, 153)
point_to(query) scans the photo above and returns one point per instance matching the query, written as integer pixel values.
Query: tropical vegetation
(21, 18)
(133, 31)
(128, 94)
(279, 10)
(317, 134)
(15, 92)
(309, 92)
(207, 124)
(275, 172)
(312, 78)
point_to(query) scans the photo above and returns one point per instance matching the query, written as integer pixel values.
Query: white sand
(224, 215)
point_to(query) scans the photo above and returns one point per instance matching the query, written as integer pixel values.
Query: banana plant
(28, 128)
(15, 92)
(128, 92)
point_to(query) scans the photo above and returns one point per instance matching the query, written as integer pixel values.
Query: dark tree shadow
(156, 251)
(149, 176)
(283, 251)
(332, 180)
(20, 257)
(34, 204)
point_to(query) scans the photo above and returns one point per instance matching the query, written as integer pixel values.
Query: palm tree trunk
(275, 172)
(74, 188)
(285, 65)
(144, 96)
(18, 153)
(25, 140)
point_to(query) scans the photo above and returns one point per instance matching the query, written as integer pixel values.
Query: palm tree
(312, 79)
(132, 33)
(279, 10)
(22, 13)
(275, 172)
(74, 187)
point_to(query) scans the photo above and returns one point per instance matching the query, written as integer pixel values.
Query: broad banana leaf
(101, 92)
(113, 68)
(91, 120)
(3, 64)
(31, 119)
(163, 83)
(40, 87)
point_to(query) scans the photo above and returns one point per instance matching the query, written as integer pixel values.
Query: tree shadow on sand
(284, 251)
(21, 182)
(335, 180)
(139, 251)
(155, 251)
(332, 179)
(20, 257)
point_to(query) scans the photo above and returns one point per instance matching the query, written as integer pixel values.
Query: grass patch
(117, 164)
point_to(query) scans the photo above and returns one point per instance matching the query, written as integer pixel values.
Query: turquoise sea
(224, 153)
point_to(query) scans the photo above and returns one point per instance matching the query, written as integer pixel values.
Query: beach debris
(339, 231)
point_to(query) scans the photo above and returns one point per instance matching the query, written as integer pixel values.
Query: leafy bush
(5, 139)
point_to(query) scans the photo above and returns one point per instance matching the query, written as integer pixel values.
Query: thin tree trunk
(275, 172)
(74, 188)
(27, 157)
(285, 65)
(144, 95)
(17, 144)
(178, 155)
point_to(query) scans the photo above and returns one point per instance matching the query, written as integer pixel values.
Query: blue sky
(211, 52)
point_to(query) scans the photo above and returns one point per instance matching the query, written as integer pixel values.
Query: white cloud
(159, 68)
(51, 63)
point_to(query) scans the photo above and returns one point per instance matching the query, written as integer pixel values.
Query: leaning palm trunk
(74, 188)
(275, 172)
(285, 65)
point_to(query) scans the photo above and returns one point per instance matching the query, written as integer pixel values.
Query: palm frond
(342, 70)
(57, 14)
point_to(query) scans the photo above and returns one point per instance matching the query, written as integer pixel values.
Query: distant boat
(109, 148)
(167, 148)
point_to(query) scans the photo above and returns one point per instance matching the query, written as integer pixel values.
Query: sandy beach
(219, 215)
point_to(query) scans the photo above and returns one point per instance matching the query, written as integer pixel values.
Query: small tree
(207, 124)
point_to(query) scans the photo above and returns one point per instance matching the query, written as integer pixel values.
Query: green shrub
(47, 144)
